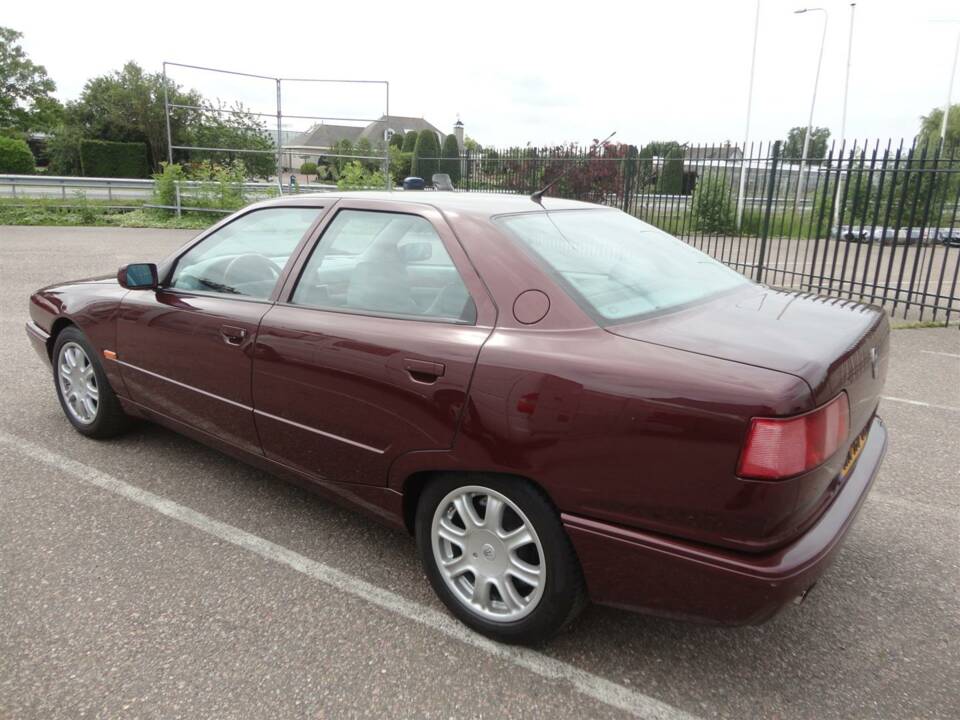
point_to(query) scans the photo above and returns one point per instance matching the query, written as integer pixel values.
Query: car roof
(471, 203)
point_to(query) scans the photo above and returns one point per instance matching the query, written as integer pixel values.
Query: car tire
(82, 387)
(484, 570)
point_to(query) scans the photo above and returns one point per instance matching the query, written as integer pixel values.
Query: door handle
(423, 371)
(232, 335)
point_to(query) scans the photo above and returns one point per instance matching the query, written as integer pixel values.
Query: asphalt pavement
(152, 577)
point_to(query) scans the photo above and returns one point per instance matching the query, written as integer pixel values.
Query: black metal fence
(873, 222)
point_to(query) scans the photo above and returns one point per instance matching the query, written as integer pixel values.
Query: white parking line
(937, 352)
(593, 686)
(920, 404)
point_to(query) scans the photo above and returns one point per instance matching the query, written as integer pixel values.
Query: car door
(185, 349)
(370, 351)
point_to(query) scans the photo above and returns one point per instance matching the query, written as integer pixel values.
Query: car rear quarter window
(384, 263)
(615, 266)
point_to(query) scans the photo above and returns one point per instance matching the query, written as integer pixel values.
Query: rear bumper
(665, 576)
(39, 338)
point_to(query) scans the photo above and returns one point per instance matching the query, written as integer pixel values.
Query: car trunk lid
(831, 344)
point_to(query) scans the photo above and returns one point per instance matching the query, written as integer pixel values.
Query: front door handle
(423, 371)
(232, 335)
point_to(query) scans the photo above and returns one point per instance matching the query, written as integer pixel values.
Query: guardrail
(41, 186)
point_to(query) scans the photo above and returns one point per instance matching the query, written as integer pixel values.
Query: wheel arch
(59, 325)
(416, 482)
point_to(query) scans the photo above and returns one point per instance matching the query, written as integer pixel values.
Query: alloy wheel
(78, 383)
(488, 553)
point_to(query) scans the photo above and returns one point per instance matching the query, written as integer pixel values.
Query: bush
(426, 155)
(671, 175)
(308, 168)
(399, 165)
(450, 164)
(409, 141)
(15, 157)
(165, 184)
(355, 177)
(713, 210)
(104, 158)
(396, 140)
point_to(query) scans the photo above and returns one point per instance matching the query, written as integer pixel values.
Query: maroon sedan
(561, 402)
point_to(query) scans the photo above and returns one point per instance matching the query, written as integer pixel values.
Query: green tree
(396, 140)
(343, 151)
(671, 174)
(931, 124)
(364, 148)
(217, 126)
(25, 99)
(817, 150)
(450, 164)
(63, 150)
(15, 157)
(409, 141)
(426, 155)
(127, 106)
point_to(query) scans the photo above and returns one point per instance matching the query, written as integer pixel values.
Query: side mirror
(138, 276)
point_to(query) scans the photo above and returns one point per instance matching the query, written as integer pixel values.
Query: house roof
(727, 151)
(398, 123)
(326, 136)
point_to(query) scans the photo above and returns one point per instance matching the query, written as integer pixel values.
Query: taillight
(777, 448)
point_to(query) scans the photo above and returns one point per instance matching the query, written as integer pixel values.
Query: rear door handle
(423, 371)
(232, 335)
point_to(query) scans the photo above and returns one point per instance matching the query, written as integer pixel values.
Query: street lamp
(843, 116)
(813, 101)
(946, 108)
(746, 131)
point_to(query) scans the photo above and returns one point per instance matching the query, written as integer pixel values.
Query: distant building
(312, 144)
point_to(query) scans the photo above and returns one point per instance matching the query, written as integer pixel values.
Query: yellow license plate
(853, 453)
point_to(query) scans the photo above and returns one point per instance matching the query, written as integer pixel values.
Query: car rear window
(617, 267)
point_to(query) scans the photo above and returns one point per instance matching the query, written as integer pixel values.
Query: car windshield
(617, 267)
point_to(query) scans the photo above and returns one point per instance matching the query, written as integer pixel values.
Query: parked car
(559, 401)
(948, 235)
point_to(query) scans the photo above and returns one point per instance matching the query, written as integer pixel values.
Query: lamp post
(813, 101)
(843, 116)
(946, 108)
(746, 131)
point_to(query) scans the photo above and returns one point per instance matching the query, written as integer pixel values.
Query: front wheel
(85, 395)
(498, 557)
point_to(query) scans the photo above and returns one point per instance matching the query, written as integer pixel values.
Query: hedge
(103, 158)
(450, 164)
(409, 141)
(15, 157)
(426, 156)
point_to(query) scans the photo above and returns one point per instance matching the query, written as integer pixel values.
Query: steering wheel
(250, 268)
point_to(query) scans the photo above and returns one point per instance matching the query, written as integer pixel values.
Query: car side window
(246, 257)
(384, 263)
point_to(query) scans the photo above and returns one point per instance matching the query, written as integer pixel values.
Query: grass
(919, 325)
(47, 212)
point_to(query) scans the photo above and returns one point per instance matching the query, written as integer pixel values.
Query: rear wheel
(85, 395)
(498, 557)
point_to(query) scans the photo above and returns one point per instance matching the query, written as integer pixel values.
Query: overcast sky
(520, 72)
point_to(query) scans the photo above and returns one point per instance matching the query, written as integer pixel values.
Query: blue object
(413, 183)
